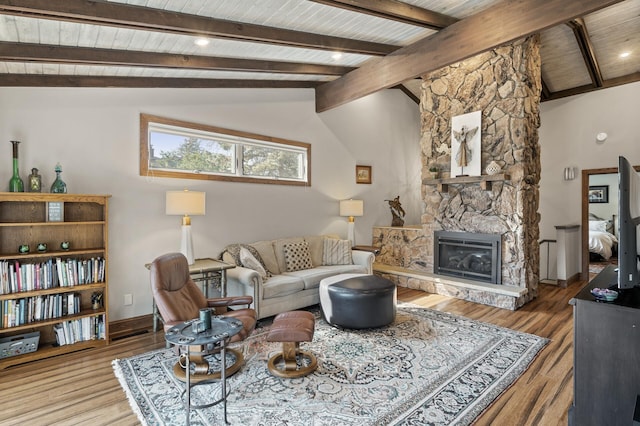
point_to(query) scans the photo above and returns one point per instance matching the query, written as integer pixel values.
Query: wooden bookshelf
(25, 219)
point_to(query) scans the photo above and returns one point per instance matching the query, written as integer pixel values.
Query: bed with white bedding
(602, 240)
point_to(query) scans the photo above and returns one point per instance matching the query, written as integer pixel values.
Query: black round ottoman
(358, 301)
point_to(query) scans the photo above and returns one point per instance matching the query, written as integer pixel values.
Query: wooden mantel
(484, 181)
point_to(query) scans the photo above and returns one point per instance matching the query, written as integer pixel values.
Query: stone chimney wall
(505, 85)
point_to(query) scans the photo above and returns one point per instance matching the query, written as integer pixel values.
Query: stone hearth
(402, 250)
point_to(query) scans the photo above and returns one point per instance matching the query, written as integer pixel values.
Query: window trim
(249, 138)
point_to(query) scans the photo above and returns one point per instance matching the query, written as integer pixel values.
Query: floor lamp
(186, 203)
(351, 209)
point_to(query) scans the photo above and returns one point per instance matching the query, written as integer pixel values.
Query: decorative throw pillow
(297, 257)
(249, 261)
(233, 251)
(336, 252)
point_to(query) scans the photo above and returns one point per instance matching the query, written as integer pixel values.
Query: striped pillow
(337, 252)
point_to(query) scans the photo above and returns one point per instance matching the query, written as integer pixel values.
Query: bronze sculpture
(397, 211)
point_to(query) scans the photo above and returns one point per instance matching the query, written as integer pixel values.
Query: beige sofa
(288, 289)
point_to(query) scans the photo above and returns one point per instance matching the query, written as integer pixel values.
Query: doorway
(599, 218)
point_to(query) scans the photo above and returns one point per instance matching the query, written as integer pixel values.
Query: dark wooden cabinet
(606, 355)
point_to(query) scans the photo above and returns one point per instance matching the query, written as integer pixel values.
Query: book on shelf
(38, 308)
(80, 330)
(16, 277)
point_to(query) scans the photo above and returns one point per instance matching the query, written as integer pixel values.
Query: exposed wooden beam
(92, 56)
(40, 80)
(145, 18)
(586, 47)
(606, 84)
(396, 10)
(545, 89)
(500, 24)
(409, 93)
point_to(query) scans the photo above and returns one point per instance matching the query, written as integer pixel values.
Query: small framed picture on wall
(599, 194)
(363, 174)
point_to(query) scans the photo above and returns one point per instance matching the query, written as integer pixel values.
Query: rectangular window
(173, 148)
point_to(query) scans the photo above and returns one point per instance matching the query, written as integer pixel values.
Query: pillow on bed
(598, 225)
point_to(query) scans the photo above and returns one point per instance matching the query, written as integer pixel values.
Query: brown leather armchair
(179, 299)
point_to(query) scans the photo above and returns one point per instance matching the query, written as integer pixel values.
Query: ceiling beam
(408, 92)
(395, 10)
(149, 19)
(606, 84)
(40, 80)
(25, 52)
(586, 47)
(500, 24)
(545, 89)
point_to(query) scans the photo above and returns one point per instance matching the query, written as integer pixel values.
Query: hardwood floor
(81, 389)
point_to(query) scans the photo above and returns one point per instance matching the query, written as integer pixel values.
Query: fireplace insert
(469, 255)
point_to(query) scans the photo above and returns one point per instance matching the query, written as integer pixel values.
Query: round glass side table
(221, 330)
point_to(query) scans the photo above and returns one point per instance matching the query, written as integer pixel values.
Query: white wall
(93, 133)
(568, 139)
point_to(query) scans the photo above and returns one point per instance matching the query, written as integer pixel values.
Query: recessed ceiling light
(336, 56)
(625, 54)
(201, 41)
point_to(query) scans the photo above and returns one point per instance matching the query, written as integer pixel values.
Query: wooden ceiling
(345, 49)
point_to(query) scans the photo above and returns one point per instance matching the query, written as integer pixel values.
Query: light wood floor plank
(81, 388)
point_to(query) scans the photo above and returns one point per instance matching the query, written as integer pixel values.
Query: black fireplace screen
(469, 255)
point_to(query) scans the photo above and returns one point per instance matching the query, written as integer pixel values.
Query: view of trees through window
(190, 154)
(277, 163)
(203, 152)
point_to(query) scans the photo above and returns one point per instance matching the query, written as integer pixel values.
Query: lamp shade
(185, 203)
(351, 208)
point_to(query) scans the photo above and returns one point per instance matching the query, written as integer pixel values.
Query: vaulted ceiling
(345, 49)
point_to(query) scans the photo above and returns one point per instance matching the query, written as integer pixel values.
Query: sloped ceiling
(343, 48)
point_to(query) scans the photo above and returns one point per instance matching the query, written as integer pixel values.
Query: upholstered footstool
(358, 300)
(291, 328)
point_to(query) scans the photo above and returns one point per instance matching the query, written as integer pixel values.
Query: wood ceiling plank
(145, 18)
(563, 66)
(396, 10)
(32, 80)
(83, 55)
(500, 24)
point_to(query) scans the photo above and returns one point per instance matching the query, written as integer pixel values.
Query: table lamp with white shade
(186, 203)
(351, 209)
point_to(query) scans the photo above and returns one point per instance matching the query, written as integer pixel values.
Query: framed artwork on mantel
(465, 144)
(363, 174)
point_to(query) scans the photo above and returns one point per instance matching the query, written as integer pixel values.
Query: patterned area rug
(427, 368)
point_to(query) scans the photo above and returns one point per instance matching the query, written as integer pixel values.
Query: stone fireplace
(469, 255)
(504, 84)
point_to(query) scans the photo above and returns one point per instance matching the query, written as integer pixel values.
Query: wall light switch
(128, 299)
